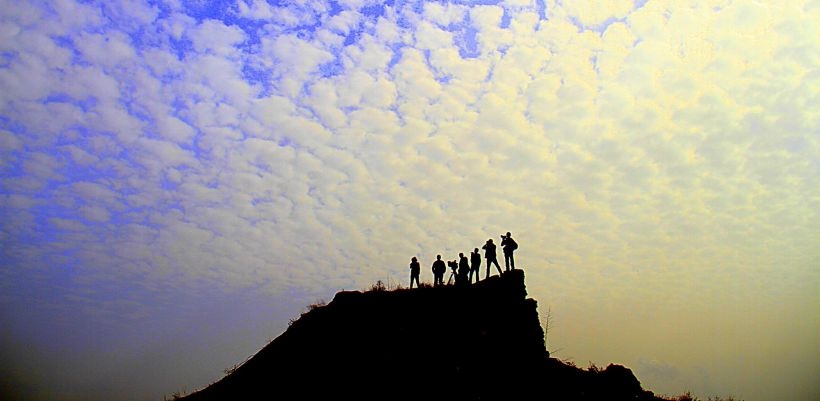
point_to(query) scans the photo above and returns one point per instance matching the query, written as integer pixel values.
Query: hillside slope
(481, 342)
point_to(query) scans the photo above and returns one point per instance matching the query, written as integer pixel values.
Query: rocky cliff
(479, 342)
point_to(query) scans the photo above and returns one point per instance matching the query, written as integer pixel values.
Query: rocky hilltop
(478, 342)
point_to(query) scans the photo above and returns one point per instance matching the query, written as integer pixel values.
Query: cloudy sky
(179, 179)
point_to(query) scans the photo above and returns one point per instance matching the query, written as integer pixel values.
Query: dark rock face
(479, 342)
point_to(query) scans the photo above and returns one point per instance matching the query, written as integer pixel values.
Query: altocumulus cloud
(652, 150)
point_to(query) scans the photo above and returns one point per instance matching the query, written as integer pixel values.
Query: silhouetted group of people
(463, 270)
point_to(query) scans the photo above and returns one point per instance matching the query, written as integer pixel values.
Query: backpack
(513, 245)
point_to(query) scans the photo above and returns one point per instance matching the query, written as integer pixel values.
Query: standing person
(489, 254)
(438, 271)
(475, 264)
(415, 269)
(462, 277)
(509, 245)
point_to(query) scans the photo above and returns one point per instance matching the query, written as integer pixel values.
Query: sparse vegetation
(318, 304)
(547, 322)
(687, 396)
(174, 396)
(378, 286)
(593, 368)
(231, 369)
(393, 285)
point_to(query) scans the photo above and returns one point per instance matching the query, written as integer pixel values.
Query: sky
(181, 179)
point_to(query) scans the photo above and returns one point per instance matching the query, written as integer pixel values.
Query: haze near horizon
(179, 179)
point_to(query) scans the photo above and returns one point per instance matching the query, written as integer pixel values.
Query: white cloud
(42, 166)
(369, 55)
(271, 111)
(413, 79)
(490, 36)
(430, 37)
(175, 129)
(324, 101)
(445, 14)
(136, 11)
(256, 9)
(469, 75)
(387, 30)
(294, 59)
(95, 213)
(214, 37)
(67, 224)
(72, 16)
(344, 22)
(592, 13)
(159, 154)
(177, 24)
(106, 51)
(9, 142)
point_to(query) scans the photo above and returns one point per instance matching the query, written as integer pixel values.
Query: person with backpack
(489, 254)
(415, 269)
(509, 245)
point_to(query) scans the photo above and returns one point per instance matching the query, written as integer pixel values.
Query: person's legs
(512, 260)
(497, 266)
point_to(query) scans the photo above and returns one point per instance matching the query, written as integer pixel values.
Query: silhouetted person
(438, 271)
(489, 254)
(509, 245)
(462, 278)
(415, 269)
(475, 264)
